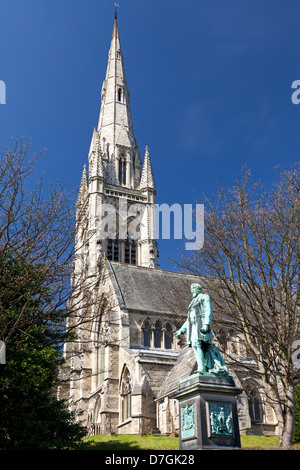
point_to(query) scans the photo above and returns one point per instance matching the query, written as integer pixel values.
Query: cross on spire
(116, 6)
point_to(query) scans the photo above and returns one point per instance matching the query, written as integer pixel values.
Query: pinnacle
(83, 190)
(147, 179)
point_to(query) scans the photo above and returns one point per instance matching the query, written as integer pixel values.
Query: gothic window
(113, 250)
(125, 395)
(168, 336)
(122, 169)
(130, 251)
(119, 94)
(157, 335)
(122, 251)
(254, 403)
(222, 338)
(147, 332)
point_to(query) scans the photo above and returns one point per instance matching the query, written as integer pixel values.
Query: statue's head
(196, 289)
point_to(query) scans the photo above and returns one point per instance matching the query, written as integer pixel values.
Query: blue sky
(210, 86)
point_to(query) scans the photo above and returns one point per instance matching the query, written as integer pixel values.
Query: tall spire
(114, 172)
(115, 121)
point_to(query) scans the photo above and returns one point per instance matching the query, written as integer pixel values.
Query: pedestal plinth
(208, 416)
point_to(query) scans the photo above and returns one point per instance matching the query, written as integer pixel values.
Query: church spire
(113, 177)
(115, 121)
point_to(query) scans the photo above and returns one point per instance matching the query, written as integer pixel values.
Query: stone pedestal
(208, 413)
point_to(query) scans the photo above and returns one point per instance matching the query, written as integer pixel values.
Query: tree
(297, 415)
(251, 260)
(37, 228)
(31, 415)
(36, 225)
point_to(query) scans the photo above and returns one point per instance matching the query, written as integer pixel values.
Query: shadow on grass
(130, 442)
(111, 445)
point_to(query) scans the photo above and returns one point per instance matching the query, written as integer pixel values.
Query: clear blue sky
(210, 85)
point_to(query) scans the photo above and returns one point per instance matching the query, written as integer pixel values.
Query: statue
(199, 334)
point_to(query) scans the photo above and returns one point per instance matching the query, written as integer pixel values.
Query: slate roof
(154, 290)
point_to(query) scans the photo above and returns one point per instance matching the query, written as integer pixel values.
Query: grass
(256, 442)
(134, 442)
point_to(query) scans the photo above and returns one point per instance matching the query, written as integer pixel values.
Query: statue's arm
(182, 330)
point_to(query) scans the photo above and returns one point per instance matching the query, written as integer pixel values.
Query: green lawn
(133, 442)
(256, 442)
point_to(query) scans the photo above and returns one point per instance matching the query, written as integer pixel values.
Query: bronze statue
(199, 334)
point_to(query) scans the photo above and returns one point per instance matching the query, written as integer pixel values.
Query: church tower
(123, 363)
(115, 208)
(122, 310)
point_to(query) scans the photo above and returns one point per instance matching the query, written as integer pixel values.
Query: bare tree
(37, 227)
(250, 259)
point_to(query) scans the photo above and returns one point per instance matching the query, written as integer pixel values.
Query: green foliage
(297, 415)
(31, 416)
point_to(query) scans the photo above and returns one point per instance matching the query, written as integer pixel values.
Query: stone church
(123, 367)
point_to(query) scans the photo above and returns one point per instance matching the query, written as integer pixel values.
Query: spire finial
(115, 31)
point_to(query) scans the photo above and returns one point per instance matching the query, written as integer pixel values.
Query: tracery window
(130, 251)
(113, 250)
(157, 334)
(254, 403)
(147, 333)
(168, 336)
(122, 251)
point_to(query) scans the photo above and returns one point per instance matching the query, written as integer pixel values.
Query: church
(122, 369)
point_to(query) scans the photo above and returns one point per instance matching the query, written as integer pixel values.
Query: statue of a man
(199, 334)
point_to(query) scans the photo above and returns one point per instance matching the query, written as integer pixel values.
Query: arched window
(254, 403)
(157, 335)
(168, 336)
(125, 395)
(130, 251)
(112, 250)
(222, 338)
(147, 332)
(119, 94)
(122, 169)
